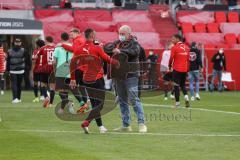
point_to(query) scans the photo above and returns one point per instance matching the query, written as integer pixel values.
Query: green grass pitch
(209, 131)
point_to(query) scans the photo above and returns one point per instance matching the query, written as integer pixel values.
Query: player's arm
(171, 58)
(68, 47)
(105, 57)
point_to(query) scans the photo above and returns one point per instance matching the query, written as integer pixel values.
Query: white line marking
(130, 133)
(200, 109)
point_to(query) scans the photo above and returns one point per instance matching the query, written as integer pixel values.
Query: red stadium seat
(220, 17)
(233, 17)
(209, 46)
(200, 28)
(187, 28)
(213, 28)
(238, 38)
(223, 45)
(230, 38)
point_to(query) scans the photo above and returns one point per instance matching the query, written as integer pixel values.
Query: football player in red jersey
(179, 62)
(3, 58)
(37, 69)
(46, 64)
(78, 41)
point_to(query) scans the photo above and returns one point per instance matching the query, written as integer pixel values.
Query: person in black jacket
(194, 69)
(128, 49)
(219, 64)
(16, 67)
(152, 70)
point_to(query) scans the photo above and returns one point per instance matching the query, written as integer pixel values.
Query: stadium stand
(230, 28)
(200, 28)
(187, 28)
(17, 14)
(220, 17)
(233, 17)
(16, 4)
(213, 27)
(230, 38)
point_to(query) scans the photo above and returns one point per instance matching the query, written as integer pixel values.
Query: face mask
(122, 38)
(150, 53)
(221, 51)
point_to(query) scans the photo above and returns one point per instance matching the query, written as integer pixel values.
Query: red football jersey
(36, 58)
(180, 57)
(46, 58)
(2, 61)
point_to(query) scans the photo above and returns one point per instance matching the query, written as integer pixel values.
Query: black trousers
(96, 93)
(179, 79)
(1, 81)
(16, 83)
(79, 81)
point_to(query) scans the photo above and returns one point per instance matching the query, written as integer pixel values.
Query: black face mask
(16, 47)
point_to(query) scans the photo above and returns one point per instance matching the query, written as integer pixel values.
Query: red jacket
(91, 57)
(3, 58)
(77, 42)
(179, 59)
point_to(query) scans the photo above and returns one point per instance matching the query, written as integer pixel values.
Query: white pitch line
(200, 109)
(130, 133)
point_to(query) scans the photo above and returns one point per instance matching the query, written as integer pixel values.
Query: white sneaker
(42, 98)
(192, 98)
(2, 92)
(165, 98)
(102, 129)
(187, 104)
(177, 104)
(142, 128)
(16, 101)
(198, 96)
(172, 96)
(123, 129)
(70, 107)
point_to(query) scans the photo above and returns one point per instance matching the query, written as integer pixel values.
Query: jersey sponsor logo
(193, 56)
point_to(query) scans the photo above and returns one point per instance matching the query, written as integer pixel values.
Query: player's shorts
(47, 78)
(36, 77)
(168, 76)
(62, 83)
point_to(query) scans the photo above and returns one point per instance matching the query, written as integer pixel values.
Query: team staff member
(127, 89)
(45, 55)
(36, 69)
(3, 58)
(179, 62)
(219, 65)
(78, 41)
(194, 69)
(91, 56)
(164, 69)
(16, 66)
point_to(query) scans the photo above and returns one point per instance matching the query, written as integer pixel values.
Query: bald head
(124, 33)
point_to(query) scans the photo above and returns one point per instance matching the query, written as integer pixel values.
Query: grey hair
(126, 28)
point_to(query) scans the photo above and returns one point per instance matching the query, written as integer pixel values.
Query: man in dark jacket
(219, 64)
(127, 87)
(152, 70)
(16, 66)
(194, 68)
